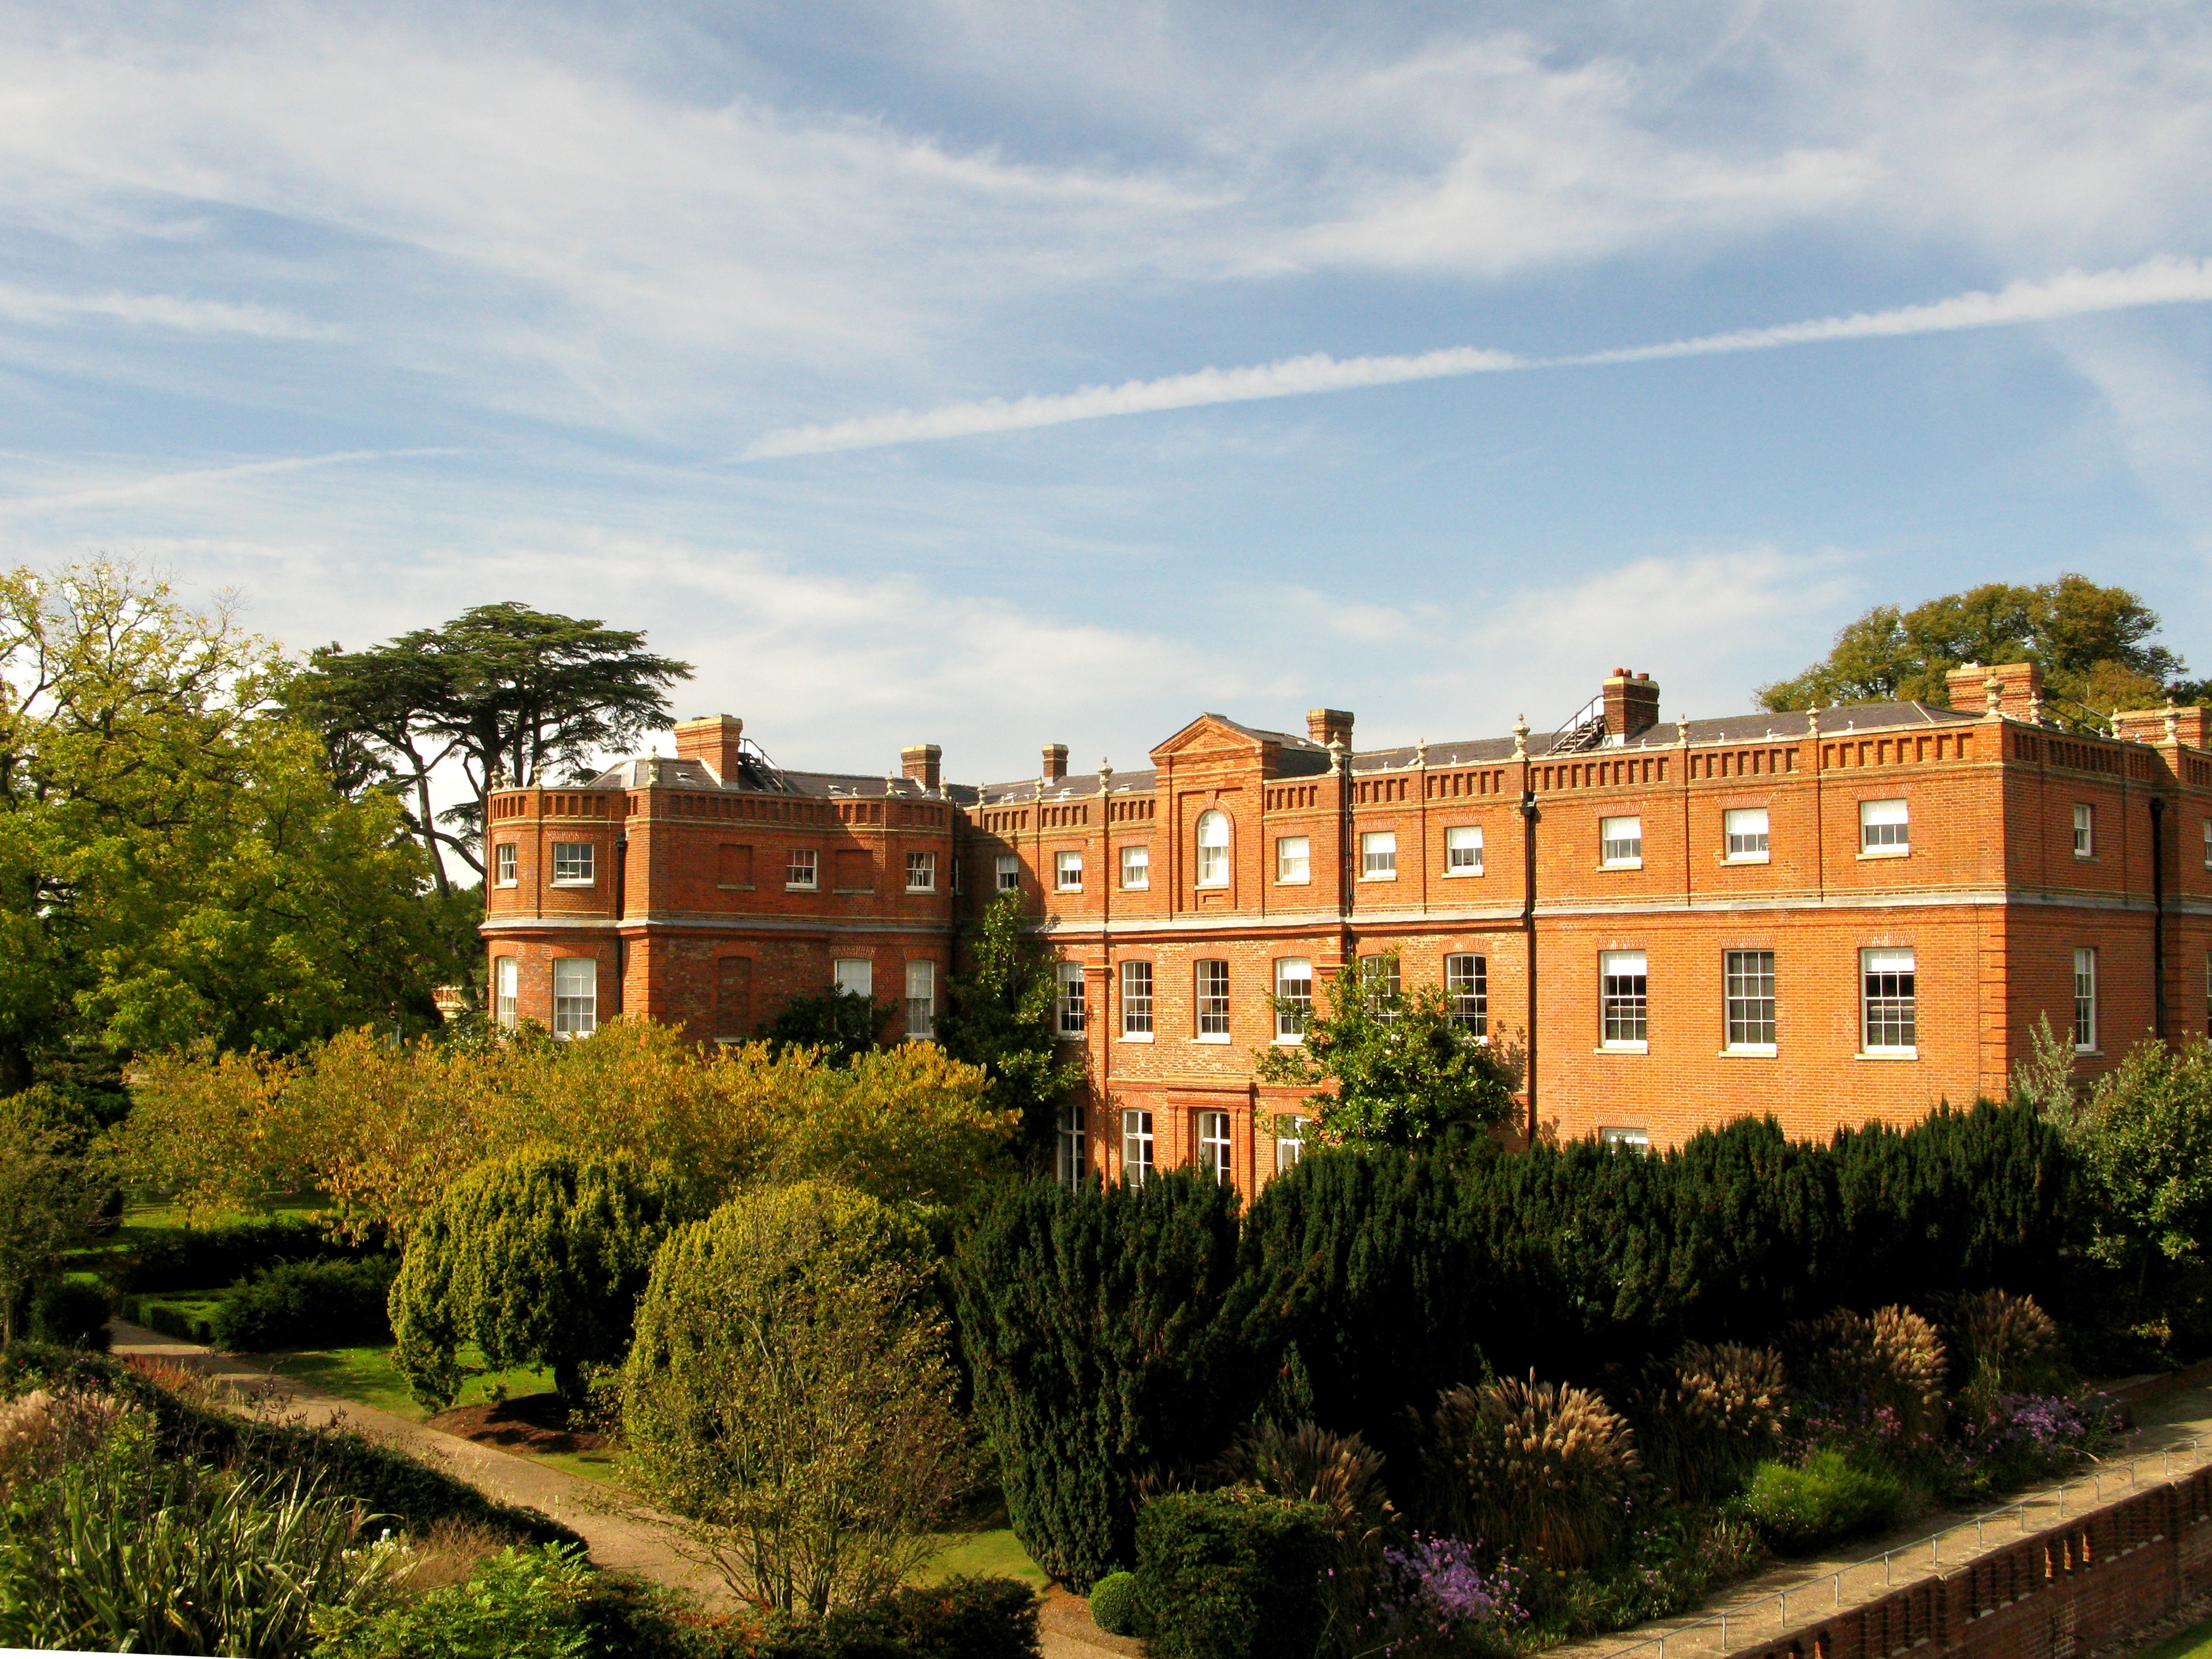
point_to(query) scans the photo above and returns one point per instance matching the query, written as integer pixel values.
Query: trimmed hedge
(967, 1618)
(308, 1304)
(73, 1313)
(168, 1319)
(191, 1258)
(1113, 1604)
(1233, 1575)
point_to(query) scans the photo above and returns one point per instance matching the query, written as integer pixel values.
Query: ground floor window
(1624, 999)
(1466, 993)
(1072, 1128)
(2085, 999)
(506, 982)
(1634, 1138)
(1290, 1142)
(1214, 1145)
(921, 1001)
(575, 996)
(1747, 993)
(1136, 1144)
(1888, 1003)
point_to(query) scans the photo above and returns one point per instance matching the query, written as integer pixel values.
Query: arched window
(1213, 849)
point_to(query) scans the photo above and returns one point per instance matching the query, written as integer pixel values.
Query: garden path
(620, 1536)
(2174, 1436)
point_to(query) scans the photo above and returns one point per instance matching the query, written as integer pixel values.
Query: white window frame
(1620, 843)
(1463, 850)
(575, 1012)
(1466, 993)
(1212, 842)
(853, 974)
(921, 872)
(1067, 1004)
(1217, 1146)
(1636, 1139)
(2208, 843)
(506, 862)
(2085, 830)
(1745, 832)
(1380, 980)
(1136, 868)
(1887, 1009)
(1073, 1144)
(1290, 1142)
(1007, 872)
(921, 1000)
(1295, 868)
(1623, 1001)
(2085, 999)
(580, 858)
(1749, 1003)
(1210, 999)
(1885, 829)
(1293, 983)
(1137, 1001)
(1067, 873)
(506, 992)
(1137, 1143)
(802, 870)
(1378, 855)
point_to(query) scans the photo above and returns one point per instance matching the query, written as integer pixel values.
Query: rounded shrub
(1233, 1575)
(74, 1313)
(308, 1304)
(1113, 1604)
(1828, 1498)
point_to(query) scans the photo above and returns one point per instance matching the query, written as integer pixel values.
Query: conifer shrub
(1235, 1575)
(308, 1304)
(1536, 1469)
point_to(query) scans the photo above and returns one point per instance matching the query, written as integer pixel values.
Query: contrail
(2162, 281)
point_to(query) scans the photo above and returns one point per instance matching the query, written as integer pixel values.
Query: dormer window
(1213, 849)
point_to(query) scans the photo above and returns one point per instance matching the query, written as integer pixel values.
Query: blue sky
(372, 312)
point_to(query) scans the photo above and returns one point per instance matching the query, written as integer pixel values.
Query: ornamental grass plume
(1532, 1469)
(1706, 1417)
(1888, 1362)
(1336, 1471)
(2001, 1344)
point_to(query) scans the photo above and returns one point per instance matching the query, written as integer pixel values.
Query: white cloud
(193, 481)
(164, 311)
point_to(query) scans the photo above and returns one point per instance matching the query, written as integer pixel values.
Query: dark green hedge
(195, 1258)
(308, 1304)
(1223, 1575)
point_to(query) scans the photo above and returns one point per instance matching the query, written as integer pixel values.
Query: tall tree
(175, 862)
(2094, 645)
(510, 692)
(999, 1015)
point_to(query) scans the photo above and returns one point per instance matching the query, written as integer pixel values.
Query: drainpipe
(2158, 914)
(622, 945)
(1529, 817)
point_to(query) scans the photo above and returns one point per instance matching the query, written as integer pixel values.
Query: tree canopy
(999, 1015)
(175, 863)
(509, 692)
(2094, 644)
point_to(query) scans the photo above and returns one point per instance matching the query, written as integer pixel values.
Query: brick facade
(693, 913)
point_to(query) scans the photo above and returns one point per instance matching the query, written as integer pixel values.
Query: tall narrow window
(1213, 1001)
(1624, 999)
(1136, 866)
(921, 1001)
(1293, 997)
(572, 863)
(1067, 871)
(2085, 830)
(1466, 993)
(1214, 1145)
(1136, 1144)
(506, 986)
(1620, 843)
(575, 996)
(1889, 1013)
(2085, 999)
(1071, 999)
(854, 974)
(1744, 829)
(1213, 849)
(1378, 855)
(1747, 993)
(1290, 1142)
(2208, 843)
(1072, 1144)
(1463, 850)
(733, 997)
(1294, 857)
(1010, 872)
(1137, 999)
(801, 869)
(510, 867)
(1379, 983)
(954, 880)
(921, 872)
(1885, 827)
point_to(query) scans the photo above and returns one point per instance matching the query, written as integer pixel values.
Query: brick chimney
(712, 738)
(2020, 688)
(919, 761)
(1055, 763)
(2192, 726)
(1631, 705)
(1326, 725)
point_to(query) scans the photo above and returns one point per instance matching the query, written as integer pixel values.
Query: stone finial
(1340, 754)
(1681, 731)
(1105, 775)
(1521, 737)
(1421, 753)
(2035, 708)
(2173, 719)
(1993, 689)
(1812, 720)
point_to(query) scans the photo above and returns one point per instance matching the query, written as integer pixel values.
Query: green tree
(842, 1024)
(2094, 645)
(1108, 1334)
(790, 1394)
(999, 1015)
(175, 862)
(509, 692)
(2144, 1139)
(1389, 1068)
(538, 1260)
(49, 1198)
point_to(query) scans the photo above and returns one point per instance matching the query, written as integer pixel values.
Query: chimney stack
(1631, 705)
(712, 738)
(919, 761)
(2020, 688)
(1326, 726)
(1055, 763)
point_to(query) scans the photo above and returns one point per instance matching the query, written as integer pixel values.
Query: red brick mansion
(1831, 917)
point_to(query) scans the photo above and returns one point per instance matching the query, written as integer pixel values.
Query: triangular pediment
(1212, 736)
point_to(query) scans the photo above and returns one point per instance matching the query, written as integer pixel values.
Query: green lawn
(997, 1552)
(2189, 1644)
(368, 1375)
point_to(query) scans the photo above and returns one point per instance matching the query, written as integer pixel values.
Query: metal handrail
(1835, 1578)
(1585, 724)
